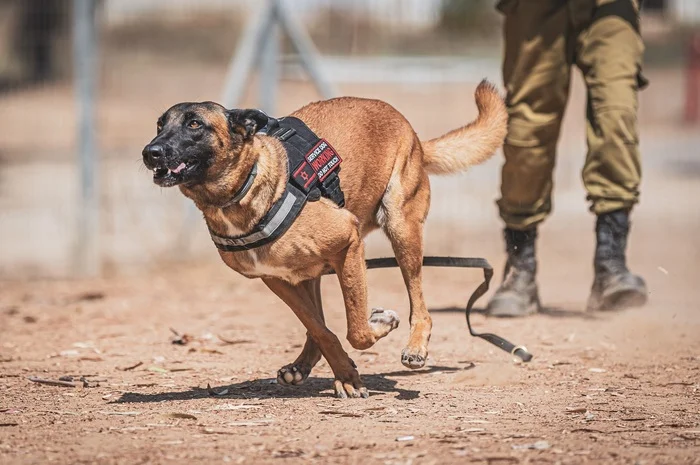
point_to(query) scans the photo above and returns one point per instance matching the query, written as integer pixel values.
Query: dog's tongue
(180, 167)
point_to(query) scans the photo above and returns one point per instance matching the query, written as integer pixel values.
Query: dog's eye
(194, 124)
(159, 127)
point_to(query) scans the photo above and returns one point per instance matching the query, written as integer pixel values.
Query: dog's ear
(246, 122)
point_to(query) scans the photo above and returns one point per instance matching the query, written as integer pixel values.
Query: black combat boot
(517, 295)
(614, 287)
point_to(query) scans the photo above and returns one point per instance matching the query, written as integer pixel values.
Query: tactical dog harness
(313, 165)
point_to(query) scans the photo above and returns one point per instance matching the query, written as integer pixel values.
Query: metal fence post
(87, 252)
(244, 58)
(308, 54)
(269, 69)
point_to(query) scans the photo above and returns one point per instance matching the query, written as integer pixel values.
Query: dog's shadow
(377, 384)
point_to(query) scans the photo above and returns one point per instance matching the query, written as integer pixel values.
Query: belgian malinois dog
(209, 152)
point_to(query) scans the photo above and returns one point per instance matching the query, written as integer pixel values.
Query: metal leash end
(522, 353)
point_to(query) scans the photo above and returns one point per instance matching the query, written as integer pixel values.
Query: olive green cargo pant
(543, 39)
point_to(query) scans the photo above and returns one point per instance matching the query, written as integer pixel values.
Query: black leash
(463, 262)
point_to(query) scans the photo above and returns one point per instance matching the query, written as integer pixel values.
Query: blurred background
(76, 200)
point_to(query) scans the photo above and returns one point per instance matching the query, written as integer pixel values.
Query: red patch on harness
(305, 175)
(323, 159)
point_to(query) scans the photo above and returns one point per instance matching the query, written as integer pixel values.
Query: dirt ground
(617, 388)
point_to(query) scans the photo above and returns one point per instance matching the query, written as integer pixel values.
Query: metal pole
(308, 54)
(269, 69)
(242, 61)
(87, 252)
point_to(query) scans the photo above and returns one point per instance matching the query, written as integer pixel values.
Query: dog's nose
(153, 152)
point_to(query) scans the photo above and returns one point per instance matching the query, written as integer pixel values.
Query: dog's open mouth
(166, 177)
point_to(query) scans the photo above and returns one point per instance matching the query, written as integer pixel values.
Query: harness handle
(463, 262)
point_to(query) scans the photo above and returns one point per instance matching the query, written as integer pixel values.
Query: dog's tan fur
(385, 180)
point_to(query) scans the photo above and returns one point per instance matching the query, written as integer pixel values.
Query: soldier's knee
(527, 134)
(618, 123)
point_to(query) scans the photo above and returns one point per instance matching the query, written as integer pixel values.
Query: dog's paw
(292, 375)
(414, 358)
(347, 383)
(383, 321)
(346, 389)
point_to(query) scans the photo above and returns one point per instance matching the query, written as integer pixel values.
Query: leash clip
(524, 355)
(517, 348)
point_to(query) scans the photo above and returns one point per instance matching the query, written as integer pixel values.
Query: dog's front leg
(296, 372)
(347, 379)
(352, 274)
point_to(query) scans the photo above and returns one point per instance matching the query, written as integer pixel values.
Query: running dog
(217, 155)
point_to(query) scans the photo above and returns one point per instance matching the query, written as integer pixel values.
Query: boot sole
(620, 300)
(511, 311)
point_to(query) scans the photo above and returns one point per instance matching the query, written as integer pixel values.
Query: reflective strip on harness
(271, 227)
(266, 232)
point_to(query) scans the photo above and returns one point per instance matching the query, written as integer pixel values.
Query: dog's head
(198, 142)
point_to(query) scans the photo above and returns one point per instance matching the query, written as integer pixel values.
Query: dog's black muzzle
(153, 155)
(169, 169)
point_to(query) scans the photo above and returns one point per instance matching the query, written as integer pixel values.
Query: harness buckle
(330, 187)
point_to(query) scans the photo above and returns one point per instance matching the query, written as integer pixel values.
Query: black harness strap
(247, 184)
(313, 166)
(463, 262)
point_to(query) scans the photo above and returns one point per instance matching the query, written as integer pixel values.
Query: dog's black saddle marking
(313, 167)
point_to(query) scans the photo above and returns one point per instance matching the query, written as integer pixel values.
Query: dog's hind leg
(404, 209)
(347, 380)
(296, 372)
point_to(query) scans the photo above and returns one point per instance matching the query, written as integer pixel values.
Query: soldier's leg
(609, 54)
(536, 72)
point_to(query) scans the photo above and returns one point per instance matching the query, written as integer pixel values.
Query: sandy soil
(619, 388)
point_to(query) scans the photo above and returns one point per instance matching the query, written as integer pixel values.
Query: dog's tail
(471, 144)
